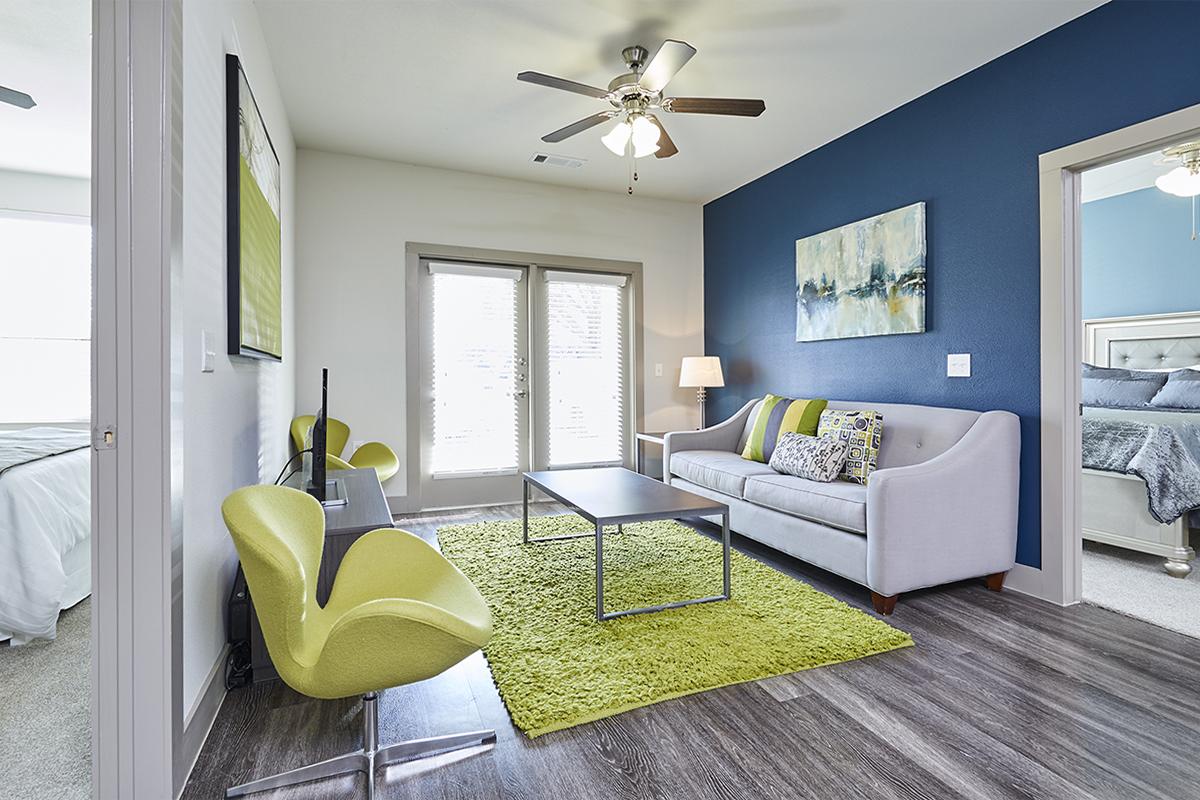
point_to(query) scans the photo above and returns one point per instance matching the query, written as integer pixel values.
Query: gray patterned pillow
(812, 457)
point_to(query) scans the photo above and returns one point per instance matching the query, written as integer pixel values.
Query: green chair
(398, 613)
(375, 455)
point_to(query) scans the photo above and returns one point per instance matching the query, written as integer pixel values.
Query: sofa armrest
(722, 436)
(950, 518)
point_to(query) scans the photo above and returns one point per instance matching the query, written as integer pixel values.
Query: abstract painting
(255, 304)
(863, 279)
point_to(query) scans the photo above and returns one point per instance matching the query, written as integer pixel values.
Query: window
(45, 319)
(585, 347)
(476, 429)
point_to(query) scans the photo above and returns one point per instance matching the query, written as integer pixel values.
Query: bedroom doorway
(1132, 341)
(46, 542)
(1140, 385)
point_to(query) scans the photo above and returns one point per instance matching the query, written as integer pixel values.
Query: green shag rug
(556, 666)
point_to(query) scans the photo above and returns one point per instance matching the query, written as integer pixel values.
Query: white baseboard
(1029, 581)
(199, 721)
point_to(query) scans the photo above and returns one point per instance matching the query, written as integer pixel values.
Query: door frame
(415, 252)
(1059, 579)
(136, 479)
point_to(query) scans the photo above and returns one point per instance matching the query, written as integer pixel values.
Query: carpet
(45, 713)
(1136, 585)
(555, 666)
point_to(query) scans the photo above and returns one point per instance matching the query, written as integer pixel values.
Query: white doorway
(1060, 576)
(521, 366)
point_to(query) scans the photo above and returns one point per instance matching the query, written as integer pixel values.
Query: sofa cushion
(718, 470)
(777, 416)
(840, 504)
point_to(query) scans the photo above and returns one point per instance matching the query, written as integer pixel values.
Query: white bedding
(45, 541)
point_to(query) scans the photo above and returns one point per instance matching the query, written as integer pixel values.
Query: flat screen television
(317, 485)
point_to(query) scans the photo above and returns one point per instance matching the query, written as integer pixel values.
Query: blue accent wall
(1138, 255)
(969, 149)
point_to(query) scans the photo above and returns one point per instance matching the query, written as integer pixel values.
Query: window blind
(45, 319)
(585, 370)
(474, 351)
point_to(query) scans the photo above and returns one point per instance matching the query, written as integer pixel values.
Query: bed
(45, 529)
(1115, 505)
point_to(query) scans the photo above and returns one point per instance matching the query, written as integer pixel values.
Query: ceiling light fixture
(1184, 180)
(617, 140)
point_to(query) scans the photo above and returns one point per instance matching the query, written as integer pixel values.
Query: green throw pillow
(777, 416)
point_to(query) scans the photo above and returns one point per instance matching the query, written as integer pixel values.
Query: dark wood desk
(365, 511)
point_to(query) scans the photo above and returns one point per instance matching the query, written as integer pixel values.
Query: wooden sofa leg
(995, 581)
(884, 605)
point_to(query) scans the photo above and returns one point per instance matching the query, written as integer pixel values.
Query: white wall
(235, 419)
(45, 194)
(354, 217)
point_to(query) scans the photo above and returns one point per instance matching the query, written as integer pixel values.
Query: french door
(522, 367)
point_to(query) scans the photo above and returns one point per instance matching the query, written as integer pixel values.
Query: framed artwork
(255, 305)
(863, 279)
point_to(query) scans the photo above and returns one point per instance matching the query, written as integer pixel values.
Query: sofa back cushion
(913, 433)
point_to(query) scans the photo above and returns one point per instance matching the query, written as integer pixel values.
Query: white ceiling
(45, 50)
(1125, 176)
(433, 81)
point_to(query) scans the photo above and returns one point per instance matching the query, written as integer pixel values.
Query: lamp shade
(701, 371)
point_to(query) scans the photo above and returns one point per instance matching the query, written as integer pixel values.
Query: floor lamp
(700, 372)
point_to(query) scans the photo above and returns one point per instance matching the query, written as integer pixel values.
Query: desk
(366, 510)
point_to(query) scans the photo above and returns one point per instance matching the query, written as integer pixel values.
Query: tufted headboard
(1157, 342)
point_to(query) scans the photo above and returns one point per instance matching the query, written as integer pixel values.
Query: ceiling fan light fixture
(617, 140)
(1181, 182)
(645, 135)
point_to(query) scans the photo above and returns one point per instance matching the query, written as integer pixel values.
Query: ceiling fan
(634, 98)
(13, 97)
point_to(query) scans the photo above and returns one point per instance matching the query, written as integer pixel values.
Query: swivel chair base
(369, 757)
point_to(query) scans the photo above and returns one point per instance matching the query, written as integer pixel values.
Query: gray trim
(199, 722)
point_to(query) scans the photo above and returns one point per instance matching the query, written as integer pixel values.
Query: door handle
(522, 393)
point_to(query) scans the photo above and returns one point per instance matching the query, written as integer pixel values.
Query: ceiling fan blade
(714, 105)
(542, 79)
(666, 147)
(13, 97)
(578, 127)
(669, 59)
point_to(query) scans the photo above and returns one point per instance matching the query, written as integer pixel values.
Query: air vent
(548, 160)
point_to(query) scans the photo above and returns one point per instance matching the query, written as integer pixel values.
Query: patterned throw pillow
(862, 431)
(777, 416)
(812, 457)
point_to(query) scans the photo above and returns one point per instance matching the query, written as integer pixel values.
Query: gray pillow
(1182, 390)
(817, 458)
(1120, 388)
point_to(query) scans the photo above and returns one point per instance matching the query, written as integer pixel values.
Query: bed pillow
(862, 431)
(1182, 390)
(1107, 387)
(817, 458)
(777, 416)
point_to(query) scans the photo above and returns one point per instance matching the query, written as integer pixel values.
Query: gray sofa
(940, 507)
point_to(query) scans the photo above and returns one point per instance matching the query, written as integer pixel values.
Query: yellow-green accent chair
(398, 613)
(375, 455)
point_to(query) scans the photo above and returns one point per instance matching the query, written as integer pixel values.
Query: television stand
(335, 492)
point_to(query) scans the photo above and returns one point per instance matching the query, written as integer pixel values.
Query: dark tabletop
(612, 495)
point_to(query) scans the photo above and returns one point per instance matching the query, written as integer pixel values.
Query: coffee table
(614, 496)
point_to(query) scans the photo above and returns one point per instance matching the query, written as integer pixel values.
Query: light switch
(207, 354)
(658, 371)
(958, 365)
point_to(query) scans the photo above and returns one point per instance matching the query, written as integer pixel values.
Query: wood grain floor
(1003, 697)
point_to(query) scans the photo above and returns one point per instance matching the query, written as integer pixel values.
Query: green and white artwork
(255, 303)
(863, 279)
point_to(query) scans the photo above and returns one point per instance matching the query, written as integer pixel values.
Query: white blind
(585, 372)
(474, 352)
(45, 319)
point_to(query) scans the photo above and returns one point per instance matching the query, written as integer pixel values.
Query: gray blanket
(34, 444)
(1154, 453)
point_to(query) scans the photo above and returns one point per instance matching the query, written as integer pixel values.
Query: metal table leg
(525, 510)
(599, 572)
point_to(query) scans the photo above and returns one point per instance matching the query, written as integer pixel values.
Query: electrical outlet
(958, 365)
(658, 370)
